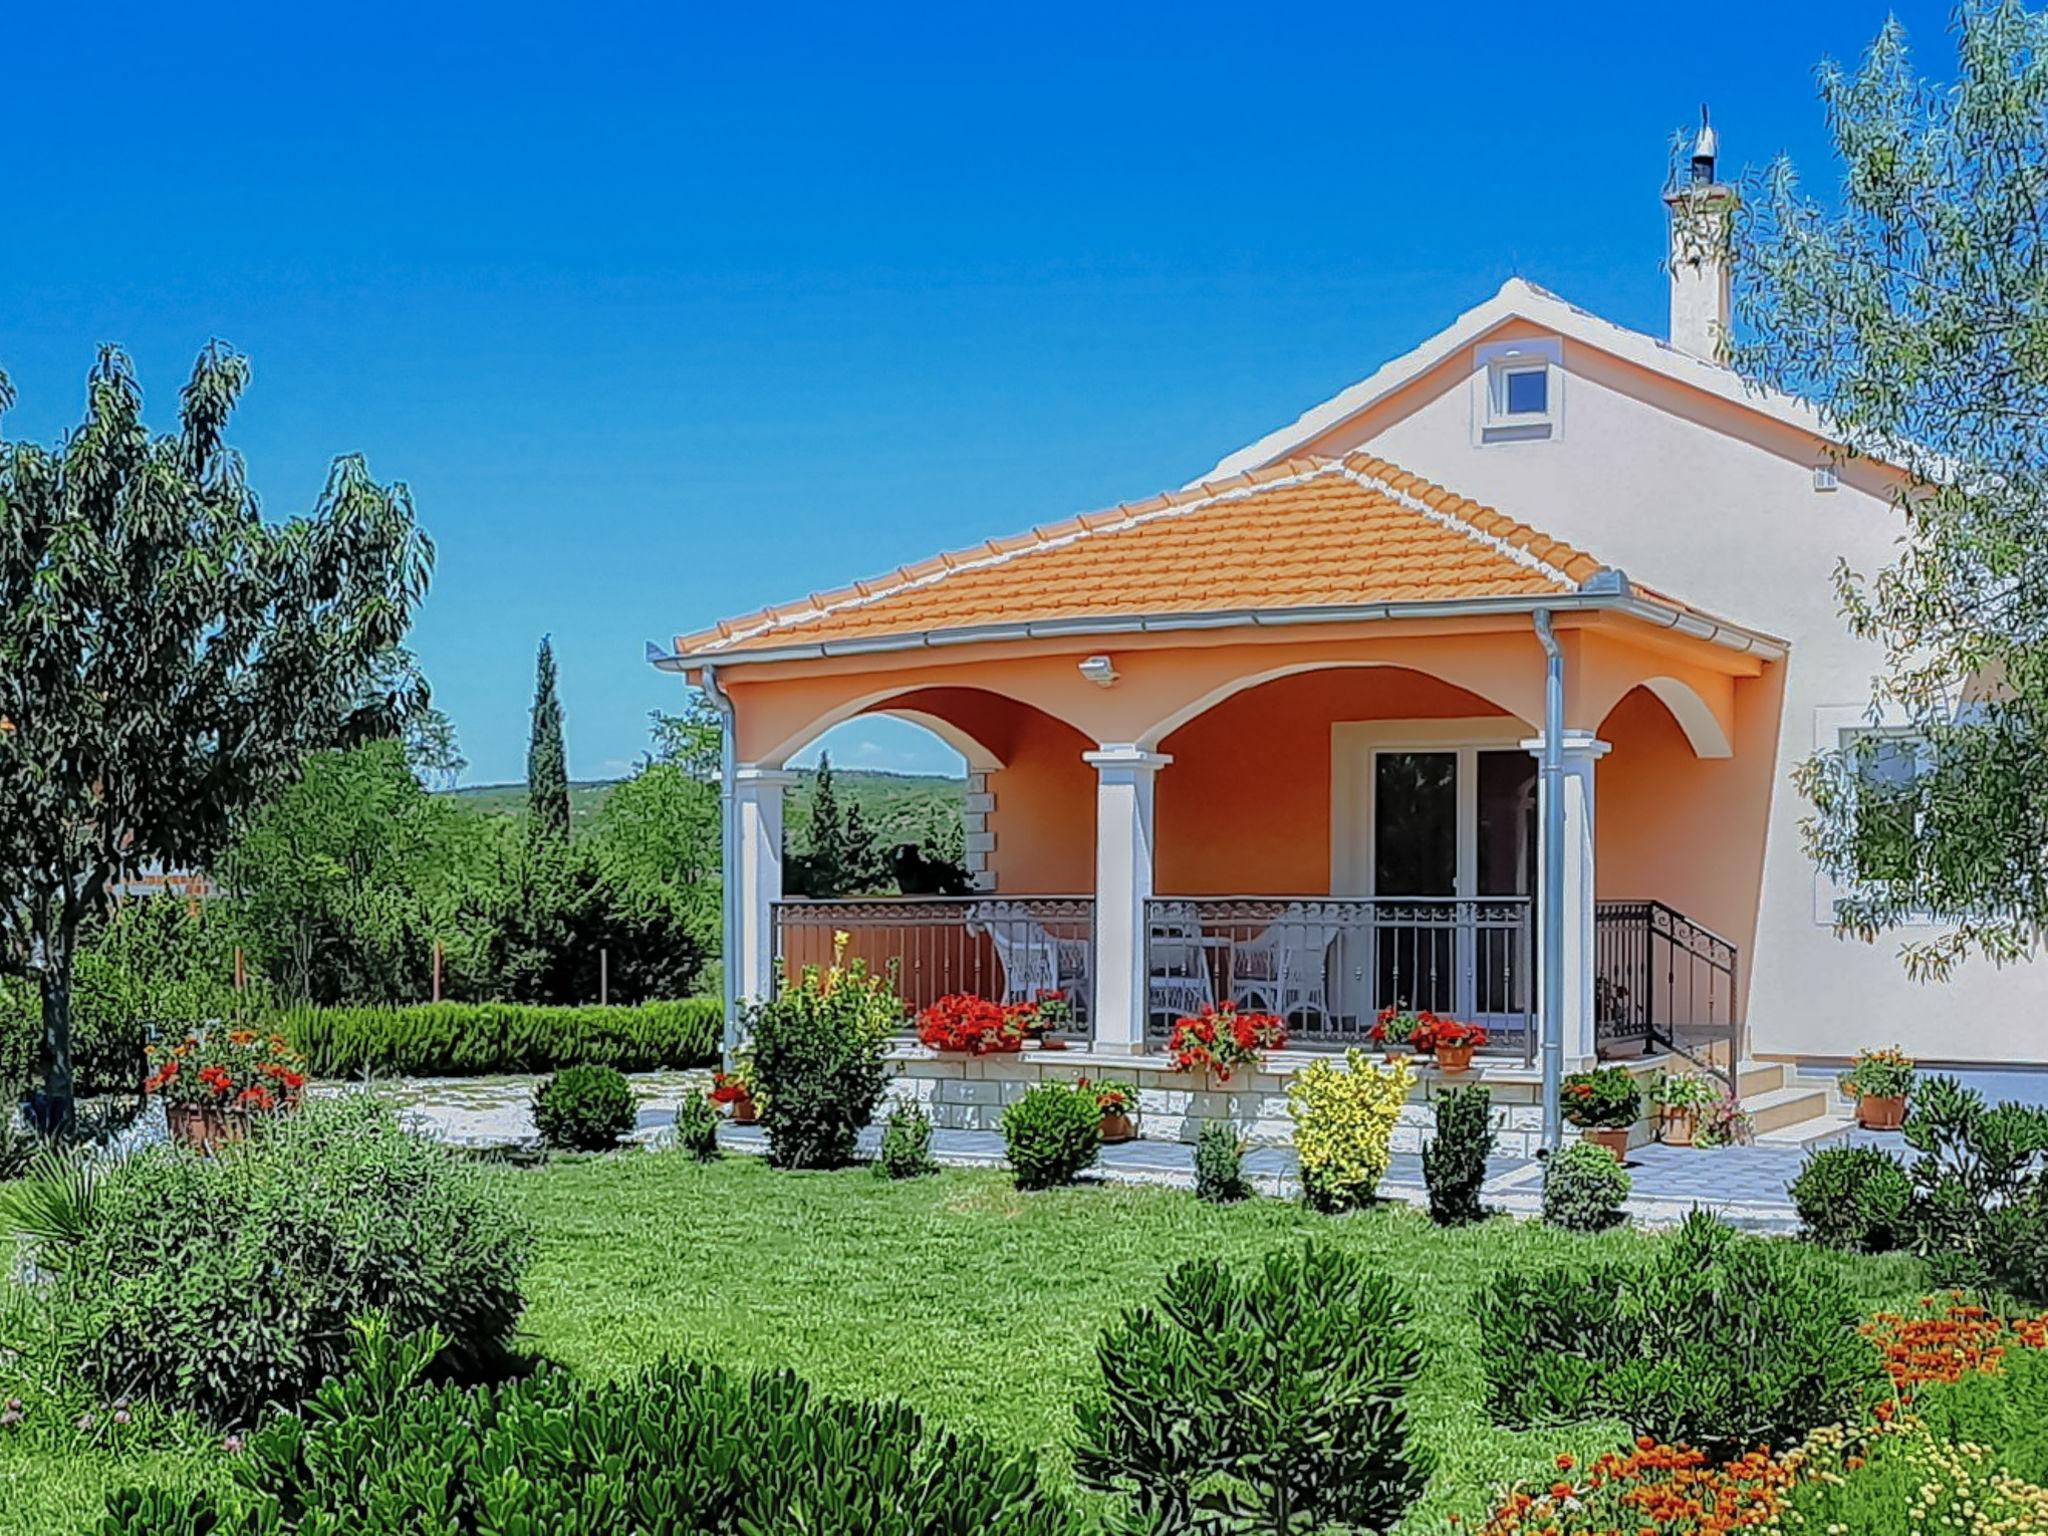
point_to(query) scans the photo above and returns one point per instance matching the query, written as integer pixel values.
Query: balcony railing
(1008, 949)
(1664, 982)
(1328, 965)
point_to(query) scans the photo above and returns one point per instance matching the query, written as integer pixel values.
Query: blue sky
(668, 311)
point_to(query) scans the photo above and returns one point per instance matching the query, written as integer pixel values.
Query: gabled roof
(1301, 540)
(1521, 300)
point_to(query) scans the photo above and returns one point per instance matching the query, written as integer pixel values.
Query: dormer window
(1517, 391)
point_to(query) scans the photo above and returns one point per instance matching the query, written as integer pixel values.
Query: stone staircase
(1787, 1110)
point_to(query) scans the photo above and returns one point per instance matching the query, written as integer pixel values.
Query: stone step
(1821, 1131)
(1783, 1107)
(1760, 1077)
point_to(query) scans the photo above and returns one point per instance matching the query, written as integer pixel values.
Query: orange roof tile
(1303, 534)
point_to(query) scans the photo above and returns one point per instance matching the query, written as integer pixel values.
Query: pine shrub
(1219, 1165)
(676, 1447)
(1268, 1402)
(1855, 1198)
(1584, 1188)
(221, 1284)
(906, 1145)
(1454, 1160)
(584, 1109)
(697, 1128)
(1052, 1133)
(1720, 1341)
(1980, 1188)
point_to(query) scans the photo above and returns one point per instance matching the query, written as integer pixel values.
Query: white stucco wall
(1656, 480)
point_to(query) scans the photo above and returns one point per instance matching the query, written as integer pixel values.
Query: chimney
(1702, 264)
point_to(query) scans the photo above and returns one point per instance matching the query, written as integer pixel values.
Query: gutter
(728, 872)
(1605, 592)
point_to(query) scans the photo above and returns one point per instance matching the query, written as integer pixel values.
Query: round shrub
(220, 1284)
(1584, 1188)
(820, 1049)
(676, 1447)
(1280, 1395)
(697, 1128)
(1053, 1132)
(1856, 1198)
(906, 1145)
(584, 1109)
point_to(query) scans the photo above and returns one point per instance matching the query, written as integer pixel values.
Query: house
(1477, 687)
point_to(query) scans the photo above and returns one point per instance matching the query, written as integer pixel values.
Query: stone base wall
(968, 1093)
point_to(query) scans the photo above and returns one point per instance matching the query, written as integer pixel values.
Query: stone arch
(1695, 716)
(1153, 735)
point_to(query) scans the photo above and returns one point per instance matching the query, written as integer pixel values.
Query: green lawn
(978, 1304)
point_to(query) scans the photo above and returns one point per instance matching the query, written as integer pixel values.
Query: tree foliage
(1914, 313)
(168, 658)
(547, 758)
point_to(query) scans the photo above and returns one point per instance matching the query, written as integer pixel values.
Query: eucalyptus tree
(1911, 306)
(168, 657)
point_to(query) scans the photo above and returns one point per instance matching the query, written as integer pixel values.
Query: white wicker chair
(1034, 960)
(1177, 965)
(1285, 970)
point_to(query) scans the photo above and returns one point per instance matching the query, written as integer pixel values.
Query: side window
(1887, 764)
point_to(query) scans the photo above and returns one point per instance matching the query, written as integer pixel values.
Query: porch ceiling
(1298, 541)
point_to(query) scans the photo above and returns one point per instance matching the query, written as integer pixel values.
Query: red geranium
(238, 1069)
(961, 1021)
(1450, 1032)
(1220, 1040)
(1413, 1027)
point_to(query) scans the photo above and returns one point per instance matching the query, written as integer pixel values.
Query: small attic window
(1517, 391)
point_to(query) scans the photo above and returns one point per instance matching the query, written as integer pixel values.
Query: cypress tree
(547, 759)
(828, 835)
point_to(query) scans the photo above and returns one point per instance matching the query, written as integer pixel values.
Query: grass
(979, 1305)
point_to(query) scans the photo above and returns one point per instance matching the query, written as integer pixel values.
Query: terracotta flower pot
(1678, 1127)
(1454, 1058)
(1118, 1127)
(1613, 1137)
(1051, 1043)
(745, 1111)
(1880, 1113)
(202, 1127)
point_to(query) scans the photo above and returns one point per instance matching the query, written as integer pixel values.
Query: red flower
(961, 1021)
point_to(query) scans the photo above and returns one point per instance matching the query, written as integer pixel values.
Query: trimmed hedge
(470, 1039)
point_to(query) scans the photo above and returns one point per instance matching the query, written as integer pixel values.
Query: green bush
(1855, 1198)
(697, 1127)
(820, 1049)
(473, 1039)
(1604, 1097)
(221, 1284)
(1052, 1133)
(679, 1447)
(1980, 1189)
(1584, 1188)
(2006, 1409)
(1722, 1342)
(1454, 1161)
(906, 1145)
(584, 1109)
(1219, 1165)
(1269, 1402)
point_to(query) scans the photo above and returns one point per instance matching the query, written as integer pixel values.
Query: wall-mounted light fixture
(1099, 670)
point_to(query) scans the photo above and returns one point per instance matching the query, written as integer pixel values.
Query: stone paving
(1747, 1185)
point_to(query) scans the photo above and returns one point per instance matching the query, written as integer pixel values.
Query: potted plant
(1455, 1043)
(1604, 1103)
(1043, 1016)
(1400, 1030)
(737, 1092)
(1880, 1081)
(963, 1024)
(1118, 1103)
(215, 1084)
(1680, 1097)
(1219, 1041)
(1723, 1123)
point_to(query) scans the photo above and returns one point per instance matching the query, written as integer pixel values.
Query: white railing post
(1123, 885)
(757, 878)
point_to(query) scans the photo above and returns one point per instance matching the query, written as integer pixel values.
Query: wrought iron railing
(1665, 982)
(1007, 949)
(1328, 965)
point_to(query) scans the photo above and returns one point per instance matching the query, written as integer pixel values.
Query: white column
(1123, 884)
(757, 879)
(1582, 749)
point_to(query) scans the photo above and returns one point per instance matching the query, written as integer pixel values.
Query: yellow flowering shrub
(1344, 1121)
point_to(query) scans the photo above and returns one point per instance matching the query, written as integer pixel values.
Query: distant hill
(896, 805)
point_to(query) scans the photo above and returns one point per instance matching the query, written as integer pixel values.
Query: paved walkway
(1747, 1185)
